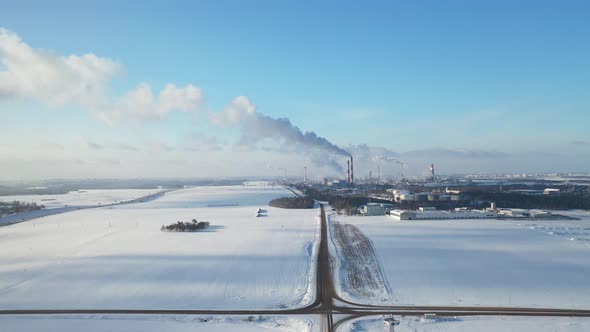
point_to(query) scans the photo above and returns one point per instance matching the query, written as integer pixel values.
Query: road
(30, 215)
(325, 302)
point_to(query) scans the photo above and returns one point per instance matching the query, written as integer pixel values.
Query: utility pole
(402, 165)
(285, 172)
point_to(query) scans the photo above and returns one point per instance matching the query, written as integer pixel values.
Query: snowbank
(148, 323)
(472, 323)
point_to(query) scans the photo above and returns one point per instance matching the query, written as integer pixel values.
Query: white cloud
(142, 104)
(84, 80)
(49, 77)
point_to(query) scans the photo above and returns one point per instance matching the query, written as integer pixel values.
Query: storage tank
(433, 197)
(455, 197)
(408, 197)
(444, 197)
(421, 197)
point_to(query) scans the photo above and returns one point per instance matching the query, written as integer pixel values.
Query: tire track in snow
(360, 274)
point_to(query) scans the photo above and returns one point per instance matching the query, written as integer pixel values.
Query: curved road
(324, 303)
(35, 214)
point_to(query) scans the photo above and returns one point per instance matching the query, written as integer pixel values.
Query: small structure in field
(261, 213)
(390, 323)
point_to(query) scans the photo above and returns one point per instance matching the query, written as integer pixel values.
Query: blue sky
(508, 77)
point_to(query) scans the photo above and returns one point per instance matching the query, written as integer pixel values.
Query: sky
(109, 89)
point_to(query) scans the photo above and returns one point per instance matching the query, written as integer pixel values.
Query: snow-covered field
(573, 230)
(472, 323)
(159, 323)
(117, 257)
(480, 262)
(82, 197)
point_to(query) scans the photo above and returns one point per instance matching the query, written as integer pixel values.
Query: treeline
(554, 202)
(347, 204)
(292, 202)
(192, 226)
(57, 187)
(17, 207)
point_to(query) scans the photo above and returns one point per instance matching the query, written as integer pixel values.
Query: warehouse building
(376, 209)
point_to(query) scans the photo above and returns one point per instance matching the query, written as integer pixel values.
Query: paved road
(30, 215)
(325, 304)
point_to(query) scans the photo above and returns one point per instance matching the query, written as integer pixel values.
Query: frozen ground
(159, 323)
(82, 197)
(472, 323)
(117, 257)
(479, 262)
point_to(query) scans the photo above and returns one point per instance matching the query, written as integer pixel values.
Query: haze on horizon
(226, 88)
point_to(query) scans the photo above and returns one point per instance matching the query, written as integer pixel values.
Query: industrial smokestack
(348, 171)
(351, 171)
(305, 174)
(432, 170)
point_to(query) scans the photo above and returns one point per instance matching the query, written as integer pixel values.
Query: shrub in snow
(192, 226)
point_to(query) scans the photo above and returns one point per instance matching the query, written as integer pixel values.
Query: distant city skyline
(227, 88)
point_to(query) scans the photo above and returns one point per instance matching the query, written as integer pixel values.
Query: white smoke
(256, 127)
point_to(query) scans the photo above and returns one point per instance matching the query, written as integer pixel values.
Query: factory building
(551, 191)
(431, 214)
(403, 214)
(376, 209)
(521, 213)
(401, 195)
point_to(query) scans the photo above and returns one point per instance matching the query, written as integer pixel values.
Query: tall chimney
(351, 171)
(348, 171)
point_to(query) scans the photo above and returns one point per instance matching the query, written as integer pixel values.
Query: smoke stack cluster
(350, 171)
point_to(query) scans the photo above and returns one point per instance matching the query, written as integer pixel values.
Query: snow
(573, 230)
(117, 257)
(472, 323)
(148, 323)
(225, 196)
(82, 197)
(478, 262)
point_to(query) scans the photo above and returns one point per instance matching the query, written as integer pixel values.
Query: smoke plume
(257, 127)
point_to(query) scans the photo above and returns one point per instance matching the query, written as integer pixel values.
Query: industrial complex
(433, 197)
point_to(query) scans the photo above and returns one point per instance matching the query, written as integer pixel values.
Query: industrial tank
(444, 197)
(421, 197)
